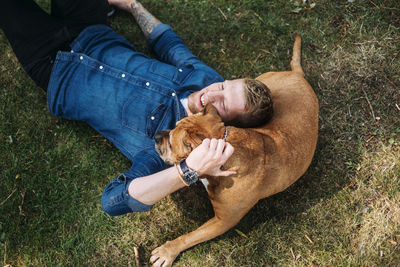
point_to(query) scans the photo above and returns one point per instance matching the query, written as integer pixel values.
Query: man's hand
(122, 4)
(208, 158)
(146, 21)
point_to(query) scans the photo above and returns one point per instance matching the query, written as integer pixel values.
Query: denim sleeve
(116, 199)
(169, 47)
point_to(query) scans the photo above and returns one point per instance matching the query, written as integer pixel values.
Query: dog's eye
(169, 143)
(187, 145)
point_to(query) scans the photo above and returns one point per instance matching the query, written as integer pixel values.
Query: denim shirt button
(147, 84)
(173, 94)
(123, 75)
(152, 118)
(101, 67)
(81, 57)
(180, 70)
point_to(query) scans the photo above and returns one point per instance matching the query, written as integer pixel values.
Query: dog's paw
(163, 256)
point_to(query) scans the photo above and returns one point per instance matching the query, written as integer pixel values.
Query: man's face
(227, 97)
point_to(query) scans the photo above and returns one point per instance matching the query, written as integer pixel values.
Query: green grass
(343, 212)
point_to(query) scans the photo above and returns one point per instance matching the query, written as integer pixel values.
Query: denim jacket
(126, 96)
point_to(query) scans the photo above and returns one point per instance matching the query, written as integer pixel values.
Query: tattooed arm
(169, 49)
(147, 22)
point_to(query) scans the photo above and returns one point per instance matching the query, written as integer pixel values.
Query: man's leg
(34, 36)
(78, 14)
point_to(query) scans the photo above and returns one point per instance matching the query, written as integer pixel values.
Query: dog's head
(175, 145)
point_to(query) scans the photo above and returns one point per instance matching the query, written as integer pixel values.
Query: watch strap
(186, 172)
(181, 175)
(184, 166)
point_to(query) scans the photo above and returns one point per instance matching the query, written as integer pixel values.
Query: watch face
(191, 177)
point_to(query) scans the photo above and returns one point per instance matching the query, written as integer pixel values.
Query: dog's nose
(158, 137)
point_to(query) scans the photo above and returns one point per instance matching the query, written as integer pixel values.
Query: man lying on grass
(91, 73)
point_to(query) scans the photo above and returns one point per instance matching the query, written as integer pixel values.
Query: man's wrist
(180, 173)
(189, 164)
(134, 4)
(190, 176)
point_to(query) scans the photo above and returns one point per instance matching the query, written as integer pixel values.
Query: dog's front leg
(164, 255)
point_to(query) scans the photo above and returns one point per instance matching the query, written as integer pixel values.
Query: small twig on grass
(257, 58)
(241, 233)
(5, 254)
(308, 238)
(387, 79)
(395, 56)
(21, 213)
(369, 103)
(222, 14)
(337, 79)
(291, 252)
(397, 106)
(265, 51)
(136, 250)
(258, 17)
(4, 201)
(374, 4)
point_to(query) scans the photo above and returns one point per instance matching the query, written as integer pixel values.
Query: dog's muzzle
(161, 144)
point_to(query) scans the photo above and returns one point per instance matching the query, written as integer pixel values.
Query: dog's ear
(210, 109)
(194, 139)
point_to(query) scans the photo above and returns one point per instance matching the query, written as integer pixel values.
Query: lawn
(344, 211)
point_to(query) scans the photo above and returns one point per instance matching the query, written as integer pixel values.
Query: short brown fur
(267, 159)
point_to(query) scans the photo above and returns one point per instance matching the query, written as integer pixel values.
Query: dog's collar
(226, 133)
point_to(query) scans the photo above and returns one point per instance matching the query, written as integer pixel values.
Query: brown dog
(267, 159)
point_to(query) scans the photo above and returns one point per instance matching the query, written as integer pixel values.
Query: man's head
(241, 102)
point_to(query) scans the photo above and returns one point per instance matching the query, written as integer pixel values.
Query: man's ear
(210, 109)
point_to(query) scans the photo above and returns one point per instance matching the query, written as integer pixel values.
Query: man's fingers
(229, 149)
(213, 144)
(226, 173)
(230, 171)
(206, 142)
(220, 147)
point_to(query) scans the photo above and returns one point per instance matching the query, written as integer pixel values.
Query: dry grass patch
(378, 190)
(367, 70)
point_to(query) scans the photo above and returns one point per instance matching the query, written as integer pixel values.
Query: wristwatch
(189, 176)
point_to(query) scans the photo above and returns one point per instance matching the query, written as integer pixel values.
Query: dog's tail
(295, 64)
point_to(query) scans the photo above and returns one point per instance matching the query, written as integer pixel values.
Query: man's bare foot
(122, 4)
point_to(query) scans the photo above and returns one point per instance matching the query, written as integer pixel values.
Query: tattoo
(147, 22)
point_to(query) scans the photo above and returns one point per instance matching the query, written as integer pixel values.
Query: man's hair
(259, 106)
